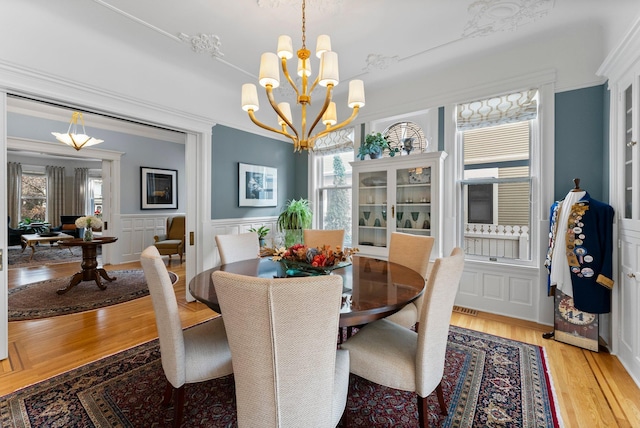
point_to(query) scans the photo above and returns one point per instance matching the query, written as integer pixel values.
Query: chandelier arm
(253, 118)
(288, 76)
(327, 100)
(354, 114)
(275, 107)
(315, 83)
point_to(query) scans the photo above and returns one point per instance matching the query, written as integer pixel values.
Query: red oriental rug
(488, 381)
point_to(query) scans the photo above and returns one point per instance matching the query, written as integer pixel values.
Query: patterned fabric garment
(588, 252)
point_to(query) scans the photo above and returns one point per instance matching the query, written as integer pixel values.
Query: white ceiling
(376, 39)
(379, 41)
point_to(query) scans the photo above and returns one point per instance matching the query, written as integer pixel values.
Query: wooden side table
(90, 270)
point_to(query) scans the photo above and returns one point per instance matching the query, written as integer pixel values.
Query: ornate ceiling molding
(379, 62)
(322, 5)
(492, 16)
(209, 43)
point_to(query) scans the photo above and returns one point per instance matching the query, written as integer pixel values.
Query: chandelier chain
(304, 26)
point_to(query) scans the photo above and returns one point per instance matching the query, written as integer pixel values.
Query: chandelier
(72, 138)
(269, 78)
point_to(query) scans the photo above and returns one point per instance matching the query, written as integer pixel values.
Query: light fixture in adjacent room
(73, 138)
(269, 78)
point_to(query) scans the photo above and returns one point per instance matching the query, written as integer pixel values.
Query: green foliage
(262, 231)
(374, 145)
(297, 215)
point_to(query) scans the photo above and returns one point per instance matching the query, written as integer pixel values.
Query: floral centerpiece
(88, 223)
(319, 260)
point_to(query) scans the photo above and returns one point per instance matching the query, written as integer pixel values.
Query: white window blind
(335, 142)
(514, 107)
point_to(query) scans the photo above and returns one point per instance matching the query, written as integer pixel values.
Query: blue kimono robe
(589, 250)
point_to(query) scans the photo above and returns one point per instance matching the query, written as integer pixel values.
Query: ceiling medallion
(380, 62)
(322, 5)
(492, 16)
(209, 43)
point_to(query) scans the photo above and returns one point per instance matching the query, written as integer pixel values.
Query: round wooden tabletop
(372, 288)
(97, 240)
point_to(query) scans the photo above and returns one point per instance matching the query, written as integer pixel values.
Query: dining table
(371, 288)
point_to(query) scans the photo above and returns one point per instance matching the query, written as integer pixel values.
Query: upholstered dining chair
(173, 241)
(412, 251)
(193, 355)
(282, 335)
(318, 237)
(388, 354)
(241, 246)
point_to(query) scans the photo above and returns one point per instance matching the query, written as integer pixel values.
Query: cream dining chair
(412, 251)
(388, 354)
(282, 334)
(193, 355)
(237, 247)
(319, 237)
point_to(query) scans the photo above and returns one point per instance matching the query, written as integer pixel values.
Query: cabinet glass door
(628, 152)
(372, 209)
(413, 200)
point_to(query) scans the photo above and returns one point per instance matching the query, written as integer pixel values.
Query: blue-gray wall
(138, 151)
(581, 141)
(231, 147)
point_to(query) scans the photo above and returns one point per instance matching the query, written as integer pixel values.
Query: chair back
(176, 228)
(412, 251)
(234, 248)
(435, 318)
(168, 322)
(282, 334)
(318, 237)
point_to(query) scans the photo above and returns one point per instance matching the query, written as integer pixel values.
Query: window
(496, 184)
(333, 182)
(95, 195)
(34, 197)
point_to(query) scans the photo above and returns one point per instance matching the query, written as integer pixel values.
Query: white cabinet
(400, 193)
(622, 68)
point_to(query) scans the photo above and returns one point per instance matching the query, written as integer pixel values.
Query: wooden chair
(391, 355)
(318, 237)
(412, 251)
(282, 335)
(193, 355)
(173, 241)
(234, 248)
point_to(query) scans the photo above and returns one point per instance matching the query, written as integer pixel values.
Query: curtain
(80, 191)
(509, 108)
(55, 194)
(335, 142)
(14, 192)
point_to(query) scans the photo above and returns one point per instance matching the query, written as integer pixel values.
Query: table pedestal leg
(89, 272)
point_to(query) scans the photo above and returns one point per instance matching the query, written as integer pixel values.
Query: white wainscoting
(505, 290)
(236, 226)
(137, 232)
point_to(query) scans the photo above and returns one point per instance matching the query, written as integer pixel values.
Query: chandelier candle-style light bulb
(73, 138)
(328, 77)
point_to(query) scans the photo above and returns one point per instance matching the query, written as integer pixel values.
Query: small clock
(407, 137)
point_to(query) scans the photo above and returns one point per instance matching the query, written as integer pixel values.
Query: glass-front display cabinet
(396, 194)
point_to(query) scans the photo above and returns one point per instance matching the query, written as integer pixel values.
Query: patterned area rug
(488, 381)
(40, 300)
(45, 254)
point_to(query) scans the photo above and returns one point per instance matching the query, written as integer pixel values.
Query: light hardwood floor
(593, 389)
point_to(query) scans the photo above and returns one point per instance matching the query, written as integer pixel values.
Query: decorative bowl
(295, 268)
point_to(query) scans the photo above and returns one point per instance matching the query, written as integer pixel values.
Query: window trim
(542, 164)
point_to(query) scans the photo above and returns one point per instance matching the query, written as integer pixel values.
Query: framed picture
(159, 188)
(258, 186)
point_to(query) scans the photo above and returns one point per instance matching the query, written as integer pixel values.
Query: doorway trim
(45, 87)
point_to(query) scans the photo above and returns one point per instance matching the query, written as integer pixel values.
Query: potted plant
(297, 215)
(374, 145)
(262, 232)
